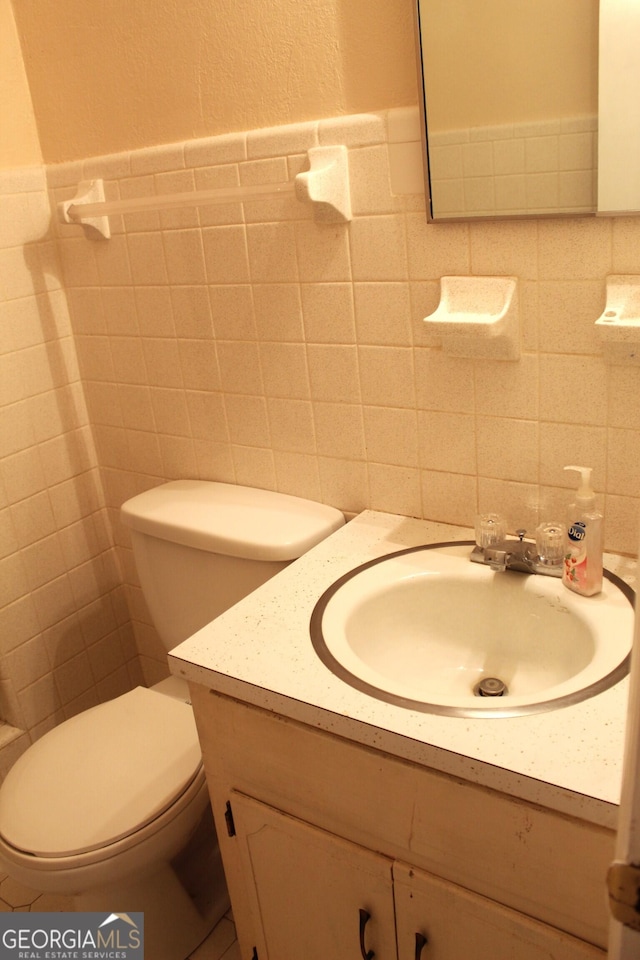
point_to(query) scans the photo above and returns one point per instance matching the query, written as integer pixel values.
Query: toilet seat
(101, 776)
(133, 856)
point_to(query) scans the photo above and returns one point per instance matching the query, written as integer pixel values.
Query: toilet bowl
(100, 809)
(111, 807)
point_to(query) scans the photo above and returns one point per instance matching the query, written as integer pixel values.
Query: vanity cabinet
(319, 896)
(333, 850)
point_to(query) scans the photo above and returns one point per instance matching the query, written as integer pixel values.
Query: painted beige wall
(542, 57)
(119, 75)
(19, 145)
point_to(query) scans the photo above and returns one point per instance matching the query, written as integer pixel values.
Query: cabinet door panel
(460, 925)
(309, 886)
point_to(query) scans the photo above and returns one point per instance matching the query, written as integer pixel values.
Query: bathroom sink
(426, 629)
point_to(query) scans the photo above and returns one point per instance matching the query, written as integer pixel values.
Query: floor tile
(233, 953)
(51, 903)
(217, 943)
(16, 894)
(221, 944)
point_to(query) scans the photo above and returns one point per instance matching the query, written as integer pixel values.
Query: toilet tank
(201, 546)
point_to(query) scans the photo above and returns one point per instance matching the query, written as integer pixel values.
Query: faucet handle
(490, 529)
(550, 542)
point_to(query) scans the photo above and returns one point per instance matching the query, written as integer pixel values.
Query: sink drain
(490, 687)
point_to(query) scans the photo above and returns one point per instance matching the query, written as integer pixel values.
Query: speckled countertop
(569, 759)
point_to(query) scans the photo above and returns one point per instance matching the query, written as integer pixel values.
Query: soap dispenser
(582, 571)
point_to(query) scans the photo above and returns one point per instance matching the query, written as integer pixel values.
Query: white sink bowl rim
(421, 628)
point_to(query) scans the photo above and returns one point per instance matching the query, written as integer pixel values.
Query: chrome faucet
(494, 548)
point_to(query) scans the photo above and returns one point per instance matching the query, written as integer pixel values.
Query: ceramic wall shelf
(618, 326)
(477, 317)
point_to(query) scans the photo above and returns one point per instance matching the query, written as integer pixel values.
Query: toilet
(111, 807)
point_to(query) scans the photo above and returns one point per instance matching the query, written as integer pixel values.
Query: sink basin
(426, 629)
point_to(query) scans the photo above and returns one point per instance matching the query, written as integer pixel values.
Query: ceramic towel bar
(325, 184)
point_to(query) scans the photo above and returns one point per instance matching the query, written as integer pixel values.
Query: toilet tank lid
(232, 520)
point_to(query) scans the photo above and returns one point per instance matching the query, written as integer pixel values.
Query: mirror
(511, 107)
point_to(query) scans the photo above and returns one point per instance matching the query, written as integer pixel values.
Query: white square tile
(403, 124)
(378, 248)
(509, 156)
(279, 141)
(477, 159)
(406, 169)
(157, 159)
(370, 184)
(541, 154)
(322, 251)
(357, 130)
(226, 148)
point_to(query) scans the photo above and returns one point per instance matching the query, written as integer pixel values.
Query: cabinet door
(314, 895)
(437, 920)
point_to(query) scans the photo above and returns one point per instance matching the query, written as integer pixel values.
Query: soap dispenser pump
(582, 571)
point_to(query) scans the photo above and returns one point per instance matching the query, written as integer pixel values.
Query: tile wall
(65, 642)
(533, 168)
(254, 345)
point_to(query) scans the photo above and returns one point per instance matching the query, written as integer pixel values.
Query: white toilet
(111, 806)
